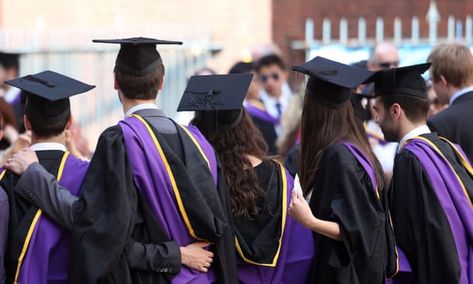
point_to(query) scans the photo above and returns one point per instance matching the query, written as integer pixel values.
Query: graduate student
(271, 246)
(347, 210)
(38, 248)
(432, 186)
(150, 210)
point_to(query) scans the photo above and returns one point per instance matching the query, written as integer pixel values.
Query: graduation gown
(432, 210)
(272, 247)
(38, 248)
(345, 192)
(154, 189)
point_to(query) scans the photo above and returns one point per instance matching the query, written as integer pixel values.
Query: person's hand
(300, 210)
(21, 161)
(196, 257)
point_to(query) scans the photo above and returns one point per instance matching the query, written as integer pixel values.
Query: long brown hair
(322, 127)
(233, 145)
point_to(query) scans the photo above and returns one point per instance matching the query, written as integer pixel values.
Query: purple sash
(454, 201)
(260, 112)
(47, 256)
(154, 183)
(295, 258)
(206, 148)
(364, 162)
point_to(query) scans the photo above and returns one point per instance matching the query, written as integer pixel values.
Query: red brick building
(289, 16)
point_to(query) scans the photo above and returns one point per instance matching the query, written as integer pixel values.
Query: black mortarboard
(9, 60)
(217, 100)
(138, 55)
(215, 92)
(48, 94)
(330, 82)
(402, 81)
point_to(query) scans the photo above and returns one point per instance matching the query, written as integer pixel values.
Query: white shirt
(11, 94)
(460, 93)
(45, 146)
(270, 102)
(424, 129)
(140, 107)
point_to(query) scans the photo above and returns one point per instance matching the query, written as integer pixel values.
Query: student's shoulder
(337, 152)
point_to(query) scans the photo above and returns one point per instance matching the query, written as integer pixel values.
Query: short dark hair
(272, 59)
(141, 87)
(416, 109)
(43, 126)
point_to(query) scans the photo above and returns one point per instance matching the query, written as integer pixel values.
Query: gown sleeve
(349, 199)
(104, 217)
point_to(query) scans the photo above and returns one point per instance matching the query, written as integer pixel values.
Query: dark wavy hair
(323, 127)
(233, 145)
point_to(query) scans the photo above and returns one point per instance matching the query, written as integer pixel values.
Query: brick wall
(289, 17)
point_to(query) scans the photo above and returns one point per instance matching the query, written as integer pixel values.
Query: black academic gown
(343, 193)
(111, 203)
(22, 212)
(421, 226)
(263, 231)
(454, 123)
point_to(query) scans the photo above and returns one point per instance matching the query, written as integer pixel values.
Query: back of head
(141, 87)
(323, 126)
(139, 69)
(453, 61)
(234, 138)
(47, 118)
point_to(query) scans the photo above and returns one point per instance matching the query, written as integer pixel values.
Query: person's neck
(60, 139)
(453, 90)
(128, 104)
(408, 127)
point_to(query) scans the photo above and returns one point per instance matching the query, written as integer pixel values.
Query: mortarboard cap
(402, 81)
(215, 92)
(330, 82)
(48, 94)
(138, 55)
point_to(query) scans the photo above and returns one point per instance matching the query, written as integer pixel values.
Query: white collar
(424, 129)
(459, 93)
(136, 108)
(45, 146)
(11, 94)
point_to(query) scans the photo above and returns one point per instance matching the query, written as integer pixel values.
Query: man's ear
(161, 84)
(69, 123)
(26, 123)
(443, 81)
(116, 86)
(395, 111)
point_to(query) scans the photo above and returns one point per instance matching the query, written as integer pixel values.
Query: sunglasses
(387, 64)
(265, 78)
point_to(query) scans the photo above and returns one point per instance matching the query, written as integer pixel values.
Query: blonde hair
(453, 61)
